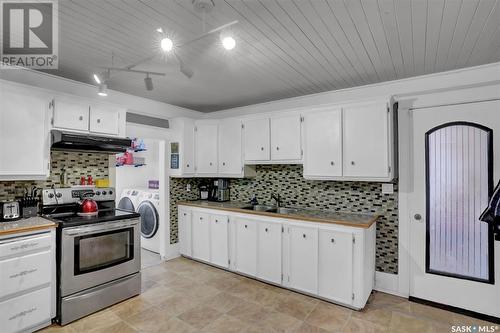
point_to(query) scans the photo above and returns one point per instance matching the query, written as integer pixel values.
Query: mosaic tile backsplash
(76, 165)
(295, 191)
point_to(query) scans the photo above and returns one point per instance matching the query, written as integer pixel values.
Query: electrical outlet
(387, 188)
(188, 187)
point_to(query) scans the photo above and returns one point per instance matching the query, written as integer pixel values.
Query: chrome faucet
(277, 198)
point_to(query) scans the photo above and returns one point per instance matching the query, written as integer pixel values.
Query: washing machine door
(149, 219)
(126, 204)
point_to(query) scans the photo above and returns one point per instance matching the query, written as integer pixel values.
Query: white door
(303, 258)
(206, 148)
(285, 138)
(256, 139)
(201, 236)
(269, 252)
(219, 241)
(246, 246)
(365, 141)
(104, 120)
(323, 144)
(24, 134)
(230, 148)
(71, 115)
(184, 220)
(335, 265)
(451, 251)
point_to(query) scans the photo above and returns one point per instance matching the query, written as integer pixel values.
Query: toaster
(9, 210)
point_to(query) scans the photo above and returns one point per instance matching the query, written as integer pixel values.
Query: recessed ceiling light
(166, 44)
(229, 43)
(102, 90)
(97, 79)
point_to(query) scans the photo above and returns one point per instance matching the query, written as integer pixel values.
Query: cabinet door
(256, 137)
(246, 246)
(104, 120)
(219, 241)
(24, 133)
(230, 150)
(269, 252)
(335, 265)
(303, 259)
(188, 148)
(184, 220)
(285, 138)
(71, 115)
(323, 144)
(365, 141)
(206, 148)
(201, 236)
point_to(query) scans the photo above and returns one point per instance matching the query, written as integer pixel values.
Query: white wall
(466, 77)
(132, 103)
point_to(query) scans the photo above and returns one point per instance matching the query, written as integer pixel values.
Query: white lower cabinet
(303, 258)
(184, 220)
(269, 266)
(330, 261)
(246, 246)
(219, 249)
(201, 236)
(335, 265)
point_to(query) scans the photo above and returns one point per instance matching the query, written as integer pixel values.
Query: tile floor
(182, 295)
(149, 258)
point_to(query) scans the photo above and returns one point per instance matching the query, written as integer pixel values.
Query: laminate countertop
(308, 215)
(25, 225)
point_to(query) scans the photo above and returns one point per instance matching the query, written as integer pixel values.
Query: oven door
(98, 253)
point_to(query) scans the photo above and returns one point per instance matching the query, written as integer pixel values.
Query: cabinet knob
(98, 121)
(216, 221)
(80, 118)
(210, 163)
(303, 235)
(184, 214)
(266, 229)
(352, 163)
(261, 148)
(417, 217)
(246, 226)
(333, 240)
(332, 163)
(187, 165)
(201, 218)
(223, 163)
(277, 148)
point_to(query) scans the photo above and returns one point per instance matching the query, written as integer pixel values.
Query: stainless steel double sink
(272, 209)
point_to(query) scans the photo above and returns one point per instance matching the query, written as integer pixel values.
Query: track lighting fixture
(97, 79)
(102, 89)
(148, 82)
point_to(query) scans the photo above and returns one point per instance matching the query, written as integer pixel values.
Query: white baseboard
(172, 252)
(387, 283)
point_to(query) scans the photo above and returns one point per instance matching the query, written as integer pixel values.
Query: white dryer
(151, 221)
(129, 199)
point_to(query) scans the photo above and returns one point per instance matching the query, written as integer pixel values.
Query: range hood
(88, 143)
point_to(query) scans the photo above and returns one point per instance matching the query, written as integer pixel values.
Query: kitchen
(251, 166)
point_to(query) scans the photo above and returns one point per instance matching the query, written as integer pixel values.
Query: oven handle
(94, 229)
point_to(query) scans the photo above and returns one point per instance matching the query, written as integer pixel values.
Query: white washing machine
(129, 199)
(151, 221)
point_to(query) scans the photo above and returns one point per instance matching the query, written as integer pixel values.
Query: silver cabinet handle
(23, 273)
(22, 313)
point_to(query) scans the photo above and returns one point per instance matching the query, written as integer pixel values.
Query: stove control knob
(51, 195)
(98, 193)
(58, 194)
(103, 192)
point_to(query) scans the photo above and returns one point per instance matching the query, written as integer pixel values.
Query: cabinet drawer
(23, 312)
(22, 245)
(18, 274)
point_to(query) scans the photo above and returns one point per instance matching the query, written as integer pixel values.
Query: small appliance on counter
(219, 190)
(204, 190)
(9, 210)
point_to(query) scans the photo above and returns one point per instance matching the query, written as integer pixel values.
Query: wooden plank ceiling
(285, 48)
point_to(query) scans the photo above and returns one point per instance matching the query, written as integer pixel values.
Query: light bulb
(229, 43)
(166, 44)
(97, 79)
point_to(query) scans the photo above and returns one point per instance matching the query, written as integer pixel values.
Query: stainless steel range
(98, 255)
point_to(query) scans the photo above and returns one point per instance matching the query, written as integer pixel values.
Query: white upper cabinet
(230, 147)
(182, 150)
(71, 114)
(206, 143)
(256, 134)
(24, 133)
(323, 144)
(366, 141)
(104, 120)
(285, 138)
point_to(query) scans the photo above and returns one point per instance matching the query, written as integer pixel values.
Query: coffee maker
(219, 190)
